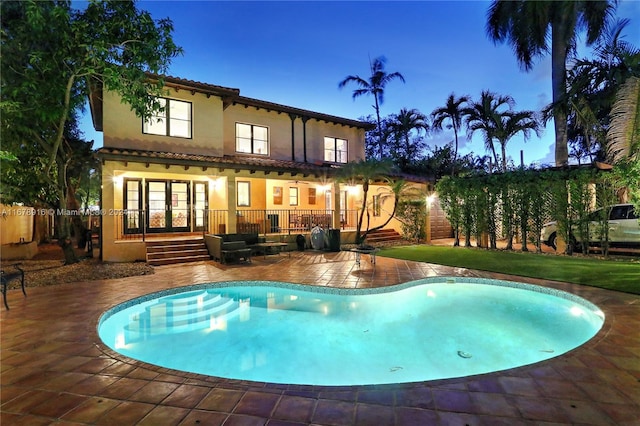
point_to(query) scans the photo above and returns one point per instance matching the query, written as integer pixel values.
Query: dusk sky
(296, 53)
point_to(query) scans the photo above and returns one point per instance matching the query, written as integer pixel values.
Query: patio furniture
(7, 277)
(271, 247)
(371, 251)
(235, 251)
(232, 246)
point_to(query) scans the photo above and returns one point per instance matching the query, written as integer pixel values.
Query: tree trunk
(559, 47)
(64, 223)
(79, 229)
(503, 147)
(365, 189)
(455, 151)
(377, 106)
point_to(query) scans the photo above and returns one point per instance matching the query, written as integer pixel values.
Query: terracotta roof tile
(226, 161)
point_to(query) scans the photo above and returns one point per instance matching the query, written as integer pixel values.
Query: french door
(168, 206)
(132, 206)
(200, 205)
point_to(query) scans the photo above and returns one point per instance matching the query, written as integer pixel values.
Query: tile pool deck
(55, 370)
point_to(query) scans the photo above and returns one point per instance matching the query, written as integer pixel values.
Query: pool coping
(107, 351)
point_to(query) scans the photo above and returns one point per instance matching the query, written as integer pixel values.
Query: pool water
(285, 333)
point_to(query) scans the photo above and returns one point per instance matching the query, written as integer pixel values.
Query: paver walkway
(55, 370)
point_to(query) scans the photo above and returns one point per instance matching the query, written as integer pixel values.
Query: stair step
(188, 302)
(190, 311)
(183, 250)
(178, 253)
(174, 247)
(138, 330)
(175, 242)
(383, 235)
(174, 260)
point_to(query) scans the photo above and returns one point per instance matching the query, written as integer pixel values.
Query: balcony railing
(139, 224)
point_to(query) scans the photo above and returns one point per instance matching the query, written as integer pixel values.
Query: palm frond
(623, 136)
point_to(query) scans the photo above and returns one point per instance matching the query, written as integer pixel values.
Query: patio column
(335, 193)
(232, 195)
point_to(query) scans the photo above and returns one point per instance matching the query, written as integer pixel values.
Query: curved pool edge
(217, 381)
(356, 291)
(545, 288)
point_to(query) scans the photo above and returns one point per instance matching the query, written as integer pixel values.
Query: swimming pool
(287, 333)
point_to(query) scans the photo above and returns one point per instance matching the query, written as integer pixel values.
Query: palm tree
(509, 124)
(484, 116)
(373, 86)
(364, 172)
(401, 126)
(398, 190)
(525, 25)
(454, 112)
(592, 85)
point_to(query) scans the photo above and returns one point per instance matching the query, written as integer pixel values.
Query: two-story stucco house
(217, 162)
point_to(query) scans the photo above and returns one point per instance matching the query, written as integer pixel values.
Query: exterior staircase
(383, 235)
(176, 251)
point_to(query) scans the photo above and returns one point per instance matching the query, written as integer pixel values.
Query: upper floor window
(335, 150)
(173, 120)
(252, 139)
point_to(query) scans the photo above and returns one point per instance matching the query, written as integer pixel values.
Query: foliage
(520, 202)
(494, 117)
(594, 85)
(412, 215)
(364, 172)
(54, 57)
(535, 28)
(406, 148)
(374, 86)
(454, 113)
(624, 131)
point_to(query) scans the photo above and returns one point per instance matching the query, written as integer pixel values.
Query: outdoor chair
(7, 277)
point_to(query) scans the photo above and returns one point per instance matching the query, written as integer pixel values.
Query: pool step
(181, 313)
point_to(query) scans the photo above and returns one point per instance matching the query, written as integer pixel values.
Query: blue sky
(295, 53)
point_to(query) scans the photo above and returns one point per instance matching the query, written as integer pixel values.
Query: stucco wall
(122, 129)
(16, 224)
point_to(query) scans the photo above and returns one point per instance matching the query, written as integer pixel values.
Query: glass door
(343, 208)
(179, 208)
(156, 206)
(200, 204)
(168, 204)
(132, 206)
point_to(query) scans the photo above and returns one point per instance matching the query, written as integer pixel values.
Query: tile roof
(233, 95)
(241, 162)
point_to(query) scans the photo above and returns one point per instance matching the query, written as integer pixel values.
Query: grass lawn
(620, 275)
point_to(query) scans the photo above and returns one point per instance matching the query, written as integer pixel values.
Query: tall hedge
(517, 204)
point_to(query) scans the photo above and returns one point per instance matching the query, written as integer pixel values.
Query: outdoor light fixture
(216, 181)
(117, 180)
(324, 188)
